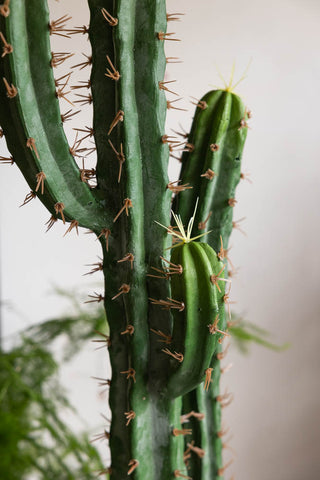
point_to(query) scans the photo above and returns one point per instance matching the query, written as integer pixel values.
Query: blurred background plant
(244, 334)
(35, 439)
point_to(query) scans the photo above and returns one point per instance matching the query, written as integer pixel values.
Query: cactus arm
(14, 131)
(36, 114)
(202, 303)
(150, 64)
(192, 161)
(228, 165)
(16, 143)
(220, 123)
(219, 136)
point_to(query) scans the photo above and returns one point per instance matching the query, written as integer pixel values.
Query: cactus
(165, 303)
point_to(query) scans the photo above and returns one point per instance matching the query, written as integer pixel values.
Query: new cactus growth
(166, 304)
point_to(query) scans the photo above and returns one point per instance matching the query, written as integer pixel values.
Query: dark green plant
(34, 438)
(150, 385)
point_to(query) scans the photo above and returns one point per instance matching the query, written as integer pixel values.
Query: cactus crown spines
(178, 232)
(165, 306)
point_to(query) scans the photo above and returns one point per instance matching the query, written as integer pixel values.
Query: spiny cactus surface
(165, 303)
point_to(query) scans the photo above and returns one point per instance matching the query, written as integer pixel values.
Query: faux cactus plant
(166, 290)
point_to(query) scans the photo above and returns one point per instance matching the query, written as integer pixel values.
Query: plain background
(275, 416)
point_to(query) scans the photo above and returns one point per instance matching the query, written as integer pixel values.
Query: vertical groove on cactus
(104, 101)
(177, 437)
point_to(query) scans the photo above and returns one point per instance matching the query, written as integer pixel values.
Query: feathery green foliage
(34, 437)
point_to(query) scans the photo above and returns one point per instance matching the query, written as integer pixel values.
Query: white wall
(274, 417)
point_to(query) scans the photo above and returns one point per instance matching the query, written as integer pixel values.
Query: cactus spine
(165, 323)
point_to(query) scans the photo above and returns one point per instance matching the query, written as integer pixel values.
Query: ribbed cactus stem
(179, 433)
(148, 436)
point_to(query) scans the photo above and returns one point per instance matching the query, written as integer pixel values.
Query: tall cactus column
(125, 287)
(135, 442)
(150, 65)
